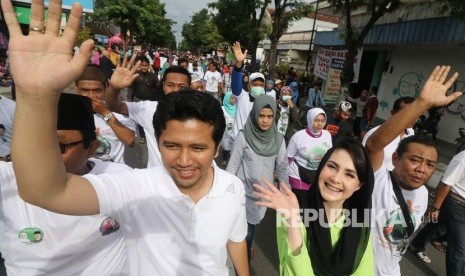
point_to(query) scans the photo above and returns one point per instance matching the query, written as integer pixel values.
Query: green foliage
(144, 19)
(282, 68)
(241, 20)
(455, 8)
(201, 34)
(83, 35)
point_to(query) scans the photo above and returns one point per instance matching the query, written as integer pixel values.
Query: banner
(332, 88)
(323, 62)
(87, 5)
(23, 14)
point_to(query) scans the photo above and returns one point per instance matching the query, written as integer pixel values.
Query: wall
(411, 66)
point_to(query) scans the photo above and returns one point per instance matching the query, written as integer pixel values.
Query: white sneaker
(422, 255)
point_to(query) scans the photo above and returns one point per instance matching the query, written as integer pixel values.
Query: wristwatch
(107, 117)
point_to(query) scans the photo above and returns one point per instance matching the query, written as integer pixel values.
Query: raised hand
(42, 63)
(435, 89)
(284, 202)
(125, 73)
(238, 54)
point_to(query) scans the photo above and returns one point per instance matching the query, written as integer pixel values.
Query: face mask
(256, 91)
(285, 98)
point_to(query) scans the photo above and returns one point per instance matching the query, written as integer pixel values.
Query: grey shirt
(252, 168)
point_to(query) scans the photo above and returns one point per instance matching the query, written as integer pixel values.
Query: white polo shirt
(68, 245)
(142, 113)
(454, 176)
(243, 108)
(165, 231)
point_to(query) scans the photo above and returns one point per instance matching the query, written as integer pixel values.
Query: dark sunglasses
(63, 147)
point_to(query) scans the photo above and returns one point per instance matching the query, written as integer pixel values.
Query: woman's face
(269, 86)
(319, 122)
(338, 179)
(245, 79)
(265, 119)
(232, 100)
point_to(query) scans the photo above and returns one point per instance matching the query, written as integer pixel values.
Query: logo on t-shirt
(395, 229)
(333, 129)
(108, 226)
(31, 235)
(104, 149)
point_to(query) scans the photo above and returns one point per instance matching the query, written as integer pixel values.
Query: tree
(353, 39)
(455, 8)
(241, 20)
(144, 19)
(285, 12)
(201, 34)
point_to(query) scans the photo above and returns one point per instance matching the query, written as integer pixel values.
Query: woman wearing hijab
(258, 151)
(295, 92)
(287, 114)
(305, 151)
(336, 240)
(269, 89)
(245, 82)
(229, 110)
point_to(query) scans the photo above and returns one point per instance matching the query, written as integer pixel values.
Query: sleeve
(236, 154)
(282, 165)
(454, 171)
(142, 112)
(292, 147)
(321, 99)
(236, 82)
(294, 114)
(239, 232)
(290, 264)
(114, 194)
(127, 122)
(220, 79)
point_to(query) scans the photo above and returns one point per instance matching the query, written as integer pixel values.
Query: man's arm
(236, 77)
(238, 253)
(41, 176)
(123, 76)
(433, 94)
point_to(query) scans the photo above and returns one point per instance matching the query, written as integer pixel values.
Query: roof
(425, 31)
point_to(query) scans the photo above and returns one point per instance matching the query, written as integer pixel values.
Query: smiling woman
(338, 241)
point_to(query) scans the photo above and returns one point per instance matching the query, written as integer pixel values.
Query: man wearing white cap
(244, 99)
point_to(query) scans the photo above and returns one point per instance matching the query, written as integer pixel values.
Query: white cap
(255, 76)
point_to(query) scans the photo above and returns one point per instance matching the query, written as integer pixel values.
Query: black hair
(144, 59)
(190, 104)
(418, 139)
(182, 60)
(374, 89)
(179, 70)
(399, 101)
(2, 126)
(92, 65)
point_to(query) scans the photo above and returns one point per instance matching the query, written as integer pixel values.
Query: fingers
(10, 19)
(443, 72)
(37, 17)
(452, 79)
(72, 26)
(54, 18)
(79, 61)
(285, 189)
(454, 96)
(135, 67)
(270, 185)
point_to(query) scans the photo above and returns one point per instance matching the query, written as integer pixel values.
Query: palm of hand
(434, 92)
(121, 78)
(239, 55)
(42, 62)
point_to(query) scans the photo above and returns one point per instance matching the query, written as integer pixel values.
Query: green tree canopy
(241, 20)
(144, 19)
(201, 34)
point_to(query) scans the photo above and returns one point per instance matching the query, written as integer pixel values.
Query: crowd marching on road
(225, 144)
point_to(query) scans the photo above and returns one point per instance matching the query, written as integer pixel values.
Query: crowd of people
(71, 206)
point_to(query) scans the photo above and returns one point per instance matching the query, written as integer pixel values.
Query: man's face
(196, 85)
(91, 89)
(144, 67)
(212, 67)
(344, 115)
(184, 64)
(187, 151)
(74, 156)
(416, 166)
(257, 82)
(175, 82)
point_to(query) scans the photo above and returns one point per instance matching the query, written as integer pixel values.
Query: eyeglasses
(63, 147)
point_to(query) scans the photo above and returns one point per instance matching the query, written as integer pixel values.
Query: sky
(181, 12)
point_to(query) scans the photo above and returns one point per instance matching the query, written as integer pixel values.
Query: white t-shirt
(165, 231)
(307, 151)
(212, 79)
(111, 147)
(7, 113)
(227, 141)
(283, 120)
(386, 235)
(271, 93)
(142, 113)
(68, 245)
(391, 148)
(243, 108)
(455, 174)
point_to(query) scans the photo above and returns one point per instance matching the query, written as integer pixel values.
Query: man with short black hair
(212, 81)
(336, 124)
(399, 197)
